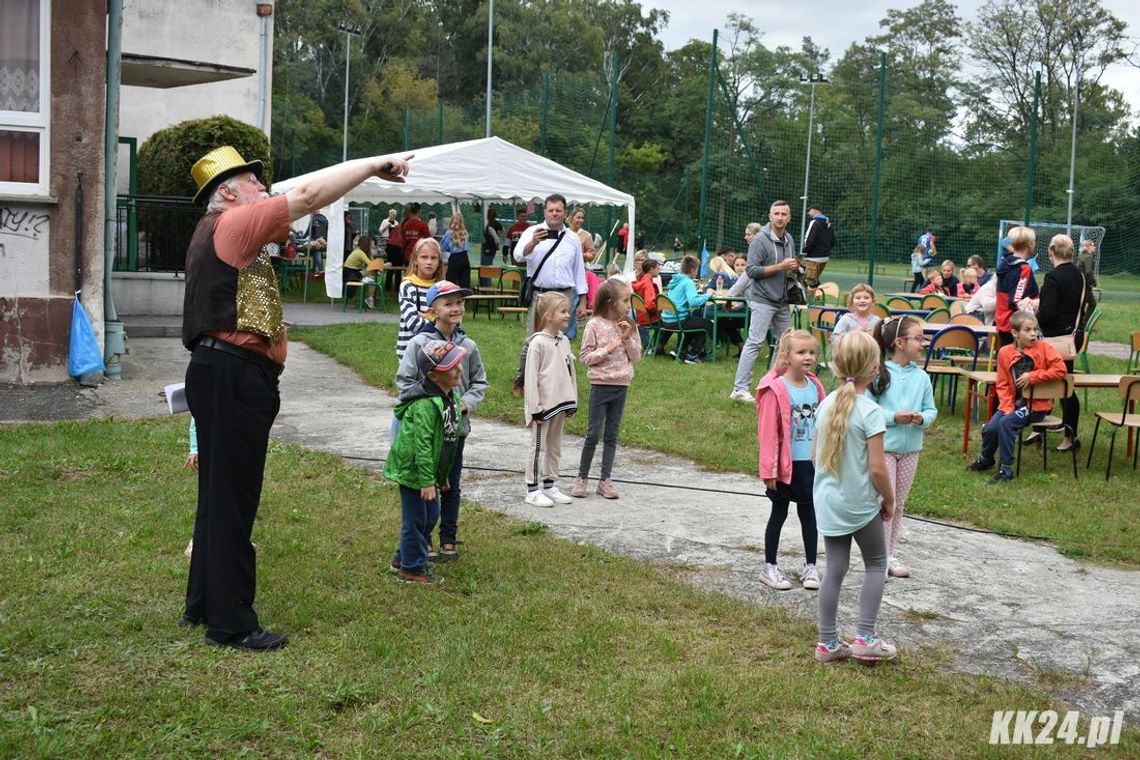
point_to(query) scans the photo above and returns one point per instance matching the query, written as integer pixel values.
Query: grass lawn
(684, 410)
(562, 650)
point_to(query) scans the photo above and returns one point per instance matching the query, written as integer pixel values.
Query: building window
(24, 86)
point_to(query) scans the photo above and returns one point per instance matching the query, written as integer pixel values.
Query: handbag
(1066, 345)
(526, 291)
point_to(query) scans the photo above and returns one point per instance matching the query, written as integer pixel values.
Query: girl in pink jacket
(786, 400)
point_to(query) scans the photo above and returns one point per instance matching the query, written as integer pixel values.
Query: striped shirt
(413, 292)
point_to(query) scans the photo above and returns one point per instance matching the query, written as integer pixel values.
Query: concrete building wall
(39, 237)
(223, 32)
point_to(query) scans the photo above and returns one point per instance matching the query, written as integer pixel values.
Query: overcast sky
(835, 24)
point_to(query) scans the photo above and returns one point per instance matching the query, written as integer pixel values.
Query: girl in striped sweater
(423, 272)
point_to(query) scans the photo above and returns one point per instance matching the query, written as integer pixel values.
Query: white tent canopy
(475, 171)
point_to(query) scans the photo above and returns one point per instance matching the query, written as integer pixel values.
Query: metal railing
(153, 233)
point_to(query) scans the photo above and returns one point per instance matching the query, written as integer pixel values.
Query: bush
(165, 159)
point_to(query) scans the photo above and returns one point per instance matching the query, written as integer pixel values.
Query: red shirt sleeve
(241, 231)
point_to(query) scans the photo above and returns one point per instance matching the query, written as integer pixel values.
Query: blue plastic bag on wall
(83, 356)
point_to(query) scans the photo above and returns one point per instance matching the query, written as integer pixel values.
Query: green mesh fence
(757, 153)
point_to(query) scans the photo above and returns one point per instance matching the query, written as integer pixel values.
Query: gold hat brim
(217, 166)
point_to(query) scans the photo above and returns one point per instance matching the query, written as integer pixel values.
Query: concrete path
(1007, 608)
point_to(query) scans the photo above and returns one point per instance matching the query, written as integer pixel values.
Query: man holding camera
(555, 254)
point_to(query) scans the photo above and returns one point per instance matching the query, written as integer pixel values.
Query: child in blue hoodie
(445, 307)
(683, 294)
(903, 391)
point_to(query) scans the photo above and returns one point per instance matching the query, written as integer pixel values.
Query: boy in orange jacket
(1027, 361)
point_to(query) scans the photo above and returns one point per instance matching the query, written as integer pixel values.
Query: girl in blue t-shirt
(786, 400)
(903, 391)
(853, 498)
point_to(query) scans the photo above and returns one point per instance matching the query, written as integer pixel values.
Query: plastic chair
(940, 316)
(1130, 393)
(934, 301)
(1053, 390)
(951, 340)
(665, 306)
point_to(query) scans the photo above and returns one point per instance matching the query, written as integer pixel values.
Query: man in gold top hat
(232, 324)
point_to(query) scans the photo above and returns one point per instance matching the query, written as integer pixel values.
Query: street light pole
(349, 30)
(490, 47)
(814, 79)
(1073, 145)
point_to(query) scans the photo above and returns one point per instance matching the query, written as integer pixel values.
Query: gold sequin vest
(221, 298)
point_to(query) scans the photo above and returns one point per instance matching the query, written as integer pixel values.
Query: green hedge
(165, 159)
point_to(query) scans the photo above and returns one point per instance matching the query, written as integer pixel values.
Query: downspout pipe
(114, 343)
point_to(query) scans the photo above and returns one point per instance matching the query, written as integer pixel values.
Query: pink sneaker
(606, 489)
(578, 490)
(830, 655)
(872, 649)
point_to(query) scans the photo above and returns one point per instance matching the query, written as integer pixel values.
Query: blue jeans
(449, 500)
(419, 517)
(1000, 433)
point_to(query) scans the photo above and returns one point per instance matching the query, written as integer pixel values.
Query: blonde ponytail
(855, 357)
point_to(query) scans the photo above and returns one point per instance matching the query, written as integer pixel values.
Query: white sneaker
(557, 496)
(771, 576)
(809, 576)
(740, 396)
(896, 569)
(538, 499)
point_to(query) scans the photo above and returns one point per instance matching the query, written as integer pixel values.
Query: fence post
(878, 167)
(132, 144)
(1031, 168)
(545, 110)
(440, 141)
(612, 175)
(708, 141)
(404, 137)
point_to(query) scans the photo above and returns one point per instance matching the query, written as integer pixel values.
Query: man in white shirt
(564, 270)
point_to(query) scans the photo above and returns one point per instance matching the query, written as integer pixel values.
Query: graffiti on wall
(22, 223)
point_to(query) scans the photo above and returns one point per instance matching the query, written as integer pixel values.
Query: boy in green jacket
(421, 455)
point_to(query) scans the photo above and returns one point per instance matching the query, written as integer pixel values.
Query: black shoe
(980, 465)
(186, 621)
(1032, 440)
(258, 641)
(1002, 476)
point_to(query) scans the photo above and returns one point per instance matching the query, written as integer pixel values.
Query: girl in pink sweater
(786, 400)
(610, 347)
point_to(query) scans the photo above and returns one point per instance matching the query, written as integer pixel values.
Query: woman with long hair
(455, 252)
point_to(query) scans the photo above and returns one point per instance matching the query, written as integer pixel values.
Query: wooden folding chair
(1134, 357)
(897, 302)
(1130, 393)
(1053, 390)
(939, 316)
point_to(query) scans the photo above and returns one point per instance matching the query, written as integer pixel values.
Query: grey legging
(606, 405)
(873, 544)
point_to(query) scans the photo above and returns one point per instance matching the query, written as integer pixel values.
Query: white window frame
(38, 123)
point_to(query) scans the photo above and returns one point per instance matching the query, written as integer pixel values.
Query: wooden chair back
(939, 316)
(880, 310)
(1053, 390)
(493, 274)
(897, 302)
(665, 306)
(1134, 357)
(511, 281)
(966, 319)
(934, 301)
(957, 307)
(958, 338)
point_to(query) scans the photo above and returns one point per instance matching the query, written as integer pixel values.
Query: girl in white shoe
(550, 395)
(903, 390)
(853, 498)
(786, 400)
